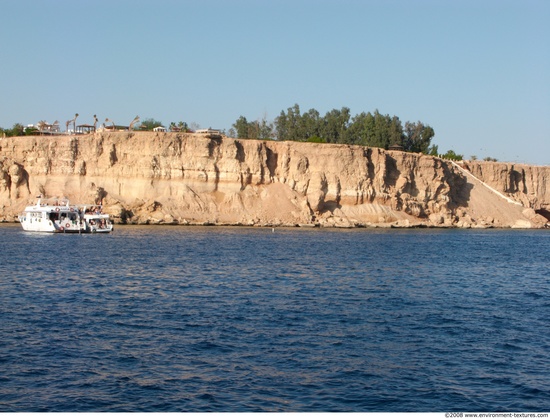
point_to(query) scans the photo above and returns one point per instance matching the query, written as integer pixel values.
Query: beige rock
(166, 178)
(521, 223)
(529, 185)
(436, 219)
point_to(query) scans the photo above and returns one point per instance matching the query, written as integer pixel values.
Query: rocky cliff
(175, 178)
(528, 185)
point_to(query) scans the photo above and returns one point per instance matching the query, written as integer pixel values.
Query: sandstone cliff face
(529, 185)
(192, 179)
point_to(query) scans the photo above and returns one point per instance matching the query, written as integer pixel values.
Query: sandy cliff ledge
(177, 178)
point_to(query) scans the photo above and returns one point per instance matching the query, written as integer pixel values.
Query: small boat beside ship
(58, 215)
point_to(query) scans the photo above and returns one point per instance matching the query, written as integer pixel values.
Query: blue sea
(197, 319)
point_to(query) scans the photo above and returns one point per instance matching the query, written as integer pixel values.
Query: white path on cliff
(485, 184)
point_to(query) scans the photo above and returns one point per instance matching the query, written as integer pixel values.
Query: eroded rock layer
(178, 178)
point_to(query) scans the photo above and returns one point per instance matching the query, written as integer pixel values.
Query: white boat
(58, 215)
(95, 220)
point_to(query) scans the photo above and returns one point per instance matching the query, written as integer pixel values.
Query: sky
(476, 71)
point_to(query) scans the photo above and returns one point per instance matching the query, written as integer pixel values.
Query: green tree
(451, 155)
(149, 124)
(417, 137)
(375, 130)
(180, 126)
(17, 130)
(395, 131)
(289, 126)
(337, 126)
(281, 127)
(334, 125)
(310, 124)
(253, 129)
(31, 130)
(258, 129)
(241, 127)
(360, 129)
(266, 129)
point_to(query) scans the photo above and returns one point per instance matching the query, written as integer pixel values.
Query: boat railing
(53, 202)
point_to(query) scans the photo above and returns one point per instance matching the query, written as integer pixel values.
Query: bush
(451, 155)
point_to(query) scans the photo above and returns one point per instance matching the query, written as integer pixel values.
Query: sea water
(255, 319)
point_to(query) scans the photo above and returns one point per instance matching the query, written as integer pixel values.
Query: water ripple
(237, 319)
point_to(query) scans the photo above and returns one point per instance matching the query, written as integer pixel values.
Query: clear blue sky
(477, 71)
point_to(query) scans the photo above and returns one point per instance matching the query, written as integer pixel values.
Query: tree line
(18, 130)
(340, 127)
(336, 126)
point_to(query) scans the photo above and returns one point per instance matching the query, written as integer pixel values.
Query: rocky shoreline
(190, 179)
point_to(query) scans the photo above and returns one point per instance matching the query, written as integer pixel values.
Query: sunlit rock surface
(175, 178)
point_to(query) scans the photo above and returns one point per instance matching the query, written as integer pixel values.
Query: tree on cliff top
(374, 130)
(17, 130)
(149, 124)
(241, 127)
(451, 155)
(368, 129)
(259, 129)
(417, 137)
(179, 127)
